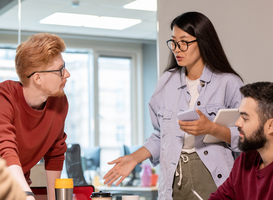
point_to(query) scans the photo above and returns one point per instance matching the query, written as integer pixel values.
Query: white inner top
(188, 138)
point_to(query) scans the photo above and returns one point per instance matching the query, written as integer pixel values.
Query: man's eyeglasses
(57, 70)
(182, 45)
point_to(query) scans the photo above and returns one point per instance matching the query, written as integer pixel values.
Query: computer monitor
(135, 173)
(92, 157)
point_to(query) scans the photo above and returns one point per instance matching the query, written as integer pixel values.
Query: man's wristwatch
(28, 193)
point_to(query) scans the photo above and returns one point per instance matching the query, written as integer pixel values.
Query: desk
(150, 193)
(79, 192)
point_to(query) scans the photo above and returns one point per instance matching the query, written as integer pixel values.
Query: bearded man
(252, 172)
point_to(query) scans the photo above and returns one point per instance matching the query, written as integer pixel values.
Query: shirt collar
(205, 77)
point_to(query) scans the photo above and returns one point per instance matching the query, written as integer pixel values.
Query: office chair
(126, 150)
(73, 164)
(83, 192)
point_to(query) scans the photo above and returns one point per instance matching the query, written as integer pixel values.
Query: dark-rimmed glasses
(57, 70)
(182, 45)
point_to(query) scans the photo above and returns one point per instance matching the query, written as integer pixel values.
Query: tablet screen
(224, 117)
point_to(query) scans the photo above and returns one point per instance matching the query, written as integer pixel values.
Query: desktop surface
(150, 193)
(79, 192)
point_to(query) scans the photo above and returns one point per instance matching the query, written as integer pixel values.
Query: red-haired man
(33, 111)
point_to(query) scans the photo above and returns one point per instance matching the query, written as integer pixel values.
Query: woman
(199, 77)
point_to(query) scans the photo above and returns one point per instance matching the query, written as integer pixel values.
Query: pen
(195, 193)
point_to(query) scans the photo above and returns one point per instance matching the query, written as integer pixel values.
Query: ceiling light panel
(92, 21)
(68, 19)
(148, 5)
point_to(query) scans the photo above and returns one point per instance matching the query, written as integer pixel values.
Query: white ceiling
(35, 10)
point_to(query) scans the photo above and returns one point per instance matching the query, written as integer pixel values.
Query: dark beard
(256, 141)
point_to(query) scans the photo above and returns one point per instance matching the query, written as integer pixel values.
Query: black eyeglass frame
(177, 44)
(57, 70)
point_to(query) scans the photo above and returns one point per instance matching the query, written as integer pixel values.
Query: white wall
(244, 27)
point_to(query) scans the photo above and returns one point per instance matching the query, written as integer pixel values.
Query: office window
(7, 63)
(80, 97)
(114, 95)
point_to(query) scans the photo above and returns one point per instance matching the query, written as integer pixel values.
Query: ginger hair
(35, 53)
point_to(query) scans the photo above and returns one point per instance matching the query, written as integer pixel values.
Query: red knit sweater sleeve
(55, 156)
(8, 143)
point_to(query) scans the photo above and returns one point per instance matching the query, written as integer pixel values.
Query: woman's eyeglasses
(57, 70)
(182, 45)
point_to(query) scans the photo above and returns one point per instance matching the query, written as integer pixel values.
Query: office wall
(149, 83)
(244, 28)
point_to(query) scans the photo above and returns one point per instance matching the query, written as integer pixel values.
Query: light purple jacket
(216, 91)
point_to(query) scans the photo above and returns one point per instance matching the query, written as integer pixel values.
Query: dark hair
(211, 50)
(262, 93)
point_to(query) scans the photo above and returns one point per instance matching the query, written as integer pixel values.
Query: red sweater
(246, 180)
(27, 135)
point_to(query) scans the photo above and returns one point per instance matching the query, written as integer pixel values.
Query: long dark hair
(211, 50)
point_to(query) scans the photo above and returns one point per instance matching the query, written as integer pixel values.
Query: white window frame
(137, 128)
